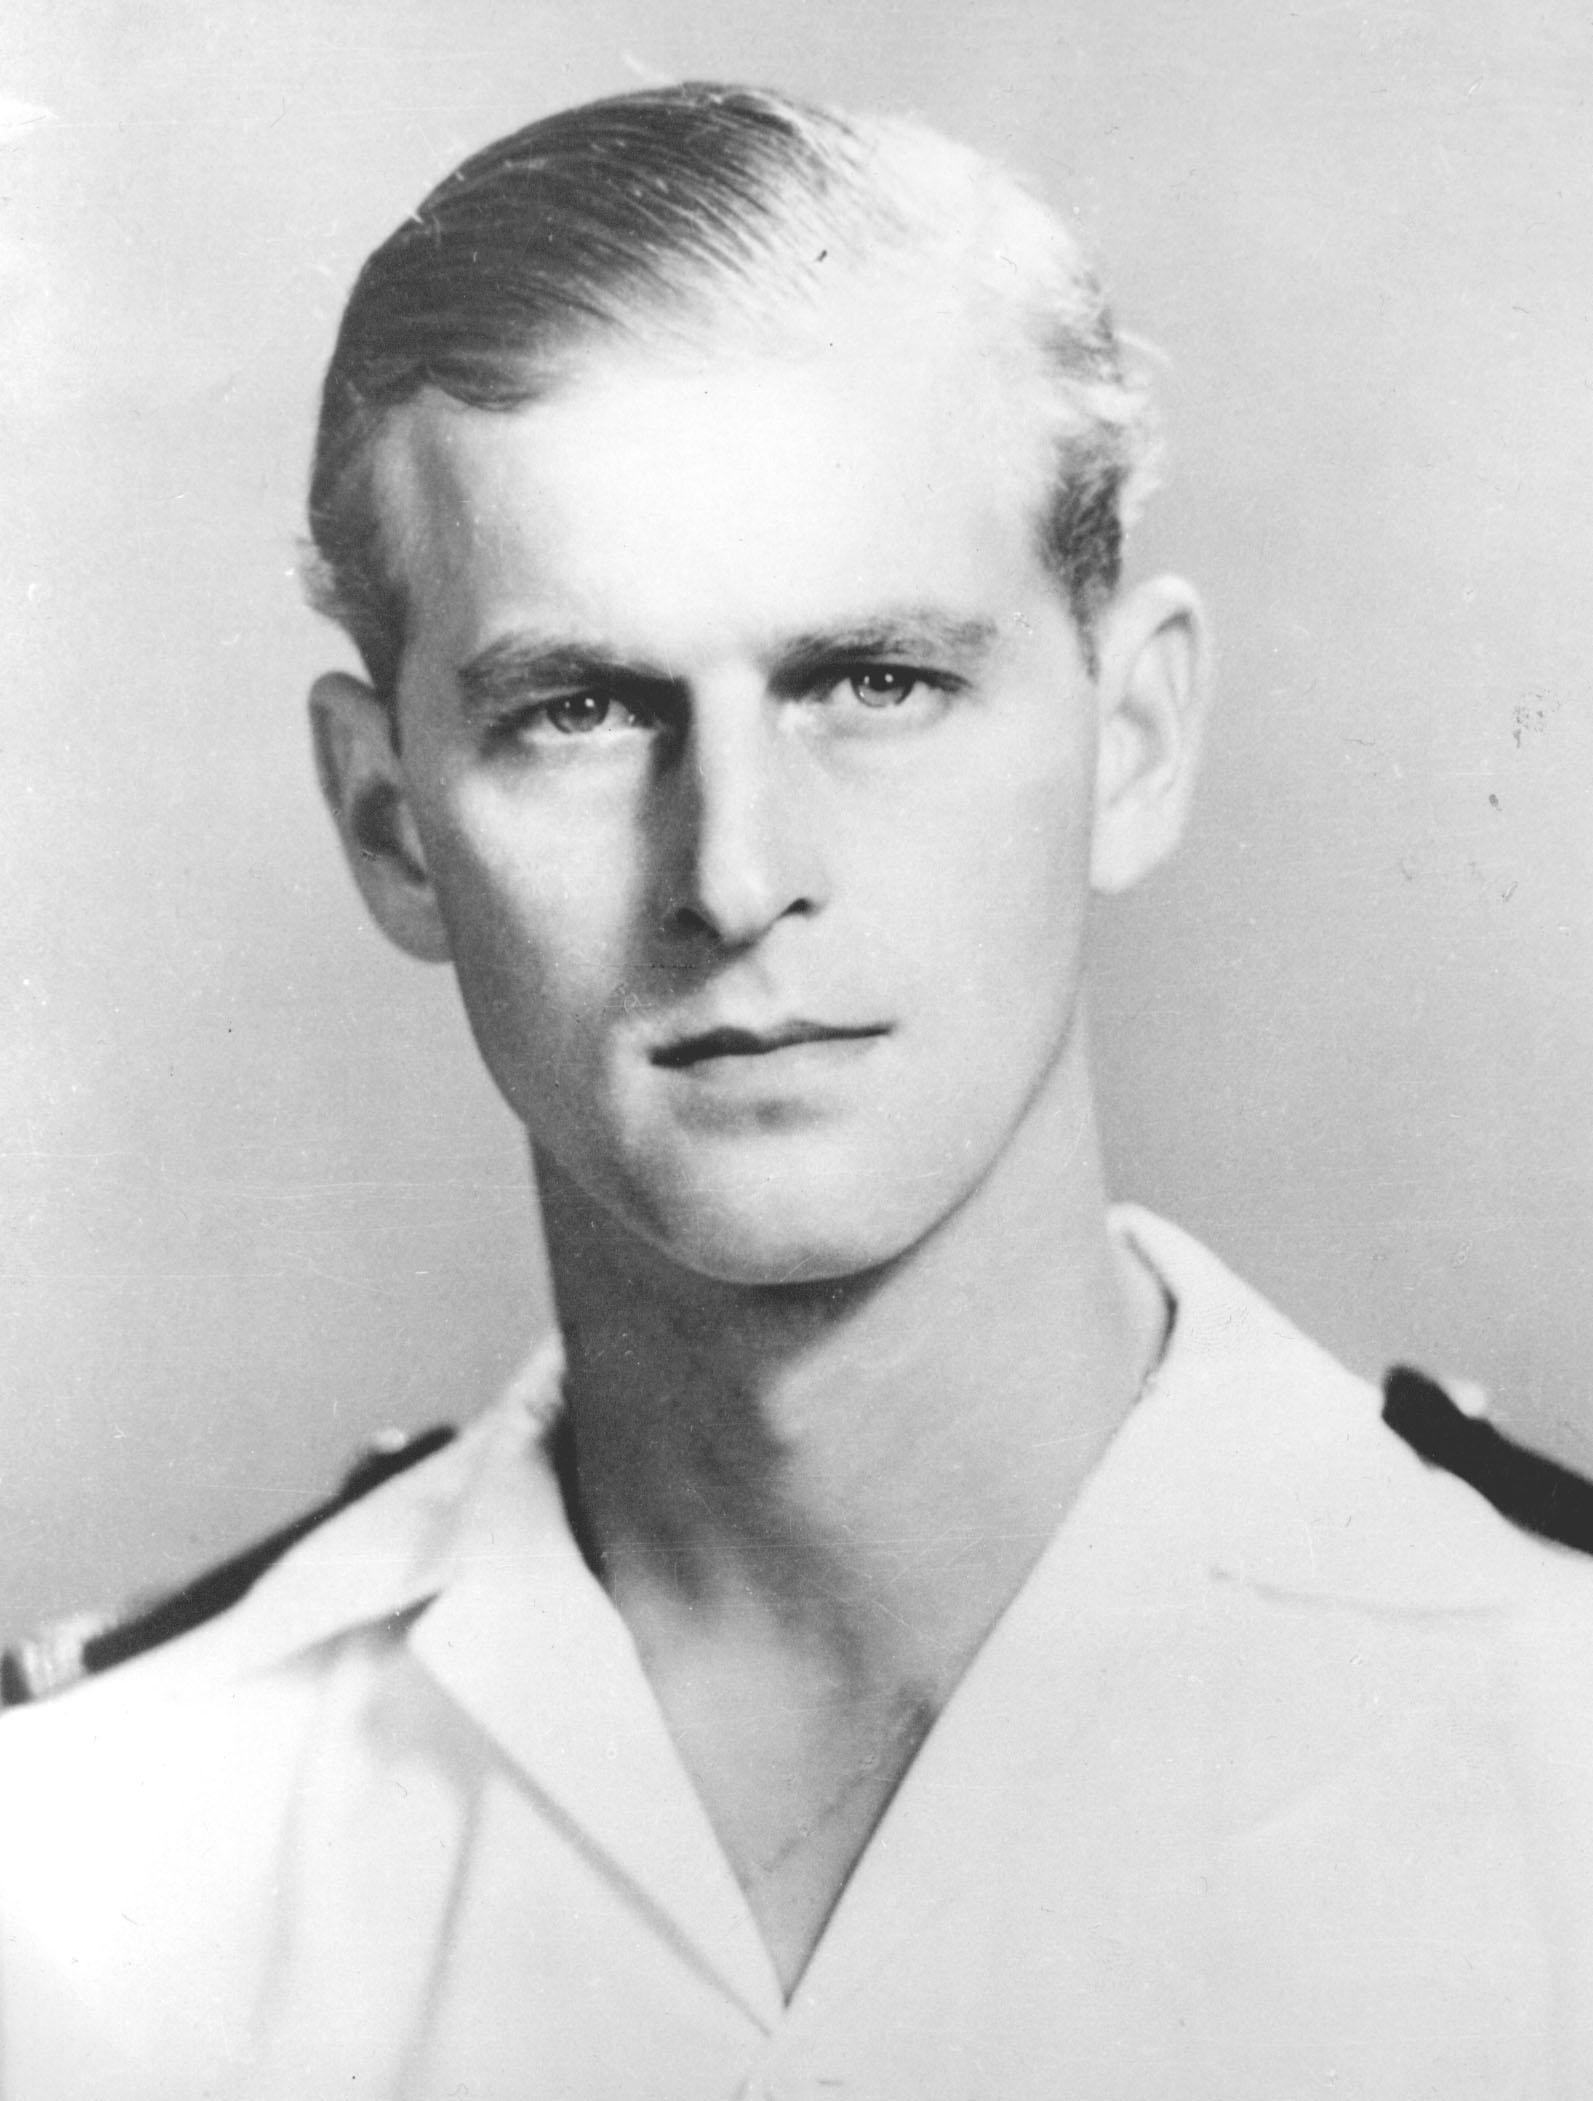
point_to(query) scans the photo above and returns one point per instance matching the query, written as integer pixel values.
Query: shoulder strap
(1536, 1493)
(85, 1643)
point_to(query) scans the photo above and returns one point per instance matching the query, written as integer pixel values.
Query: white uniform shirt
(1273, 1781)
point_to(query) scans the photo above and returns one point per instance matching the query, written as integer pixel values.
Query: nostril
(689, 920)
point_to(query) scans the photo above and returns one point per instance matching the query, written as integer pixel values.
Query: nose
(744, 851)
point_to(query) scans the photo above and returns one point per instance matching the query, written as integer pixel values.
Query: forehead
(671, 500)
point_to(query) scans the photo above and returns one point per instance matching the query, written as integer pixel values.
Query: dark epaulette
(1536, 1493)
(85, 1643)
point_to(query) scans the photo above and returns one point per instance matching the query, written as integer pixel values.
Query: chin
(786, 1229)
(781, 1265)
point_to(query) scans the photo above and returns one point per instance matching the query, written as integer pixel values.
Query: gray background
(256, 1197)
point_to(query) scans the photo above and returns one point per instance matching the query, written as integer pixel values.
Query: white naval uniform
(1275, 1780)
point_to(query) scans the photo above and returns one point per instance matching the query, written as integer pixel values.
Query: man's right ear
(363, 780)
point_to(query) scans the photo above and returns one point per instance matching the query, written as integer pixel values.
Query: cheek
(1041, 865)
(538, 927)
(1002, 879)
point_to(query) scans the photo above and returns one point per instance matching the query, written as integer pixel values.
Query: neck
(862, 1469)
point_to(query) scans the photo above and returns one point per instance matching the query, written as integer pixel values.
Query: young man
(926, 1635)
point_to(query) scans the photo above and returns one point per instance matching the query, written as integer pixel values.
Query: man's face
(751, 752)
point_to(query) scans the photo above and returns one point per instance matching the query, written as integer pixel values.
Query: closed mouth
(687, 1051)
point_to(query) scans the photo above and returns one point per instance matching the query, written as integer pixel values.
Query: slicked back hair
(711, 215)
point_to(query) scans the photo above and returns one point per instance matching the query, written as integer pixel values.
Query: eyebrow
(526, 660)
(506, 668)
(918, 634)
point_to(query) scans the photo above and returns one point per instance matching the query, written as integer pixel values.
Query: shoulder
(150, 1813)
(1450, 1430)
(1399, 1609)
(1315, 1482)
(377, 1548)
(83, 1644)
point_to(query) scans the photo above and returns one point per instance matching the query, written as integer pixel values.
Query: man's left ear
(1153, 682)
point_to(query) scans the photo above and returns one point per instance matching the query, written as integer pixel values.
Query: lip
(714, 1048)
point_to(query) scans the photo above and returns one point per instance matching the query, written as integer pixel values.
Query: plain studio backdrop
(258, 1200)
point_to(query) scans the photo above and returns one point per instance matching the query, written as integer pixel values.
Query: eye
(882, 685)
(588, 713)
(864, 698)
(572, 714)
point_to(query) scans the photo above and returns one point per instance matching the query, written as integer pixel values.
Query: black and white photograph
(796, 814)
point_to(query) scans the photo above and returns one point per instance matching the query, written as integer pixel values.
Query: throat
(810, 1505)
(795, 1774)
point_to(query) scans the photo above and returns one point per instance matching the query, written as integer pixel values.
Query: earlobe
(1154, 688)
(362, 778)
